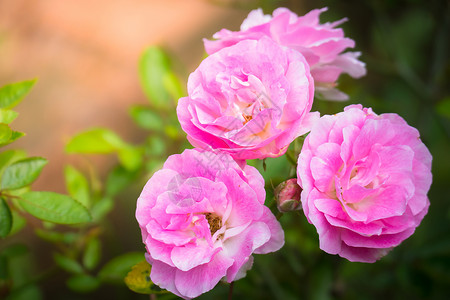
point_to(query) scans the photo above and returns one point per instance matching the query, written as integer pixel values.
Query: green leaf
(12, 94)
(77, 185)
(156, 146)
(117, 268)
(68, 264)
(97, 140)
(15, 135)
(173, 86)
(5, 133)
(146, 118)
(5, 218)
(53, 207)
(92, 253)
(443, 107)
(83, 283)
(22, 173)
(9, 156)
(153, 66)
(26, 292)
(15, 250)
(118, 179)
(7, 115)
(138, 279)
(131, 157)
(102, 208)
(56, 237)
(18, 223)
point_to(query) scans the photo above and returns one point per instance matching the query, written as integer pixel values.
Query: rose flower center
(215, 223)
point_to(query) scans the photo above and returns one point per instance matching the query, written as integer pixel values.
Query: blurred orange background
(85, 56)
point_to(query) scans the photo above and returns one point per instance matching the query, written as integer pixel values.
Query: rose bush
(321, 44)
(365, 179)
(202, 216)
(250, 100)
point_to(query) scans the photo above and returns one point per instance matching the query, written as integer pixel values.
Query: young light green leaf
(92, 253)
(54, 207)
(173, 86)
(97, 140)
(9, 156)
(5, 218)
(68, 264)
(83, 283)
(7, 115)
(22, 173)
(77, 185)
(138, 279)
(15, 135)
(117, 268)
(131, 157)
(153, 66)
(146, 118)
(5, 134)
(12, 94)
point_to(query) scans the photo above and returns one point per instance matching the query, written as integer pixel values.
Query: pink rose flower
(202, 216)
(250, 100)
(321, 44)
(365, 179)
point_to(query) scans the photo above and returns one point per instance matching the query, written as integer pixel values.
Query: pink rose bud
(287, 195)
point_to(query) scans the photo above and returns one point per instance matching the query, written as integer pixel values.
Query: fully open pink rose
(202, 217)
(250, 100)
(321, 44)
(365, 179)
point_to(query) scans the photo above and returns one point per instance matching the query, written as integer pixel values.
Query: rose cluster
(362, 179)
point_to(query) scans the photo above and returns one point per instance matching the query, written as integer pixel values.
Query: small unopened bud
(287, 195)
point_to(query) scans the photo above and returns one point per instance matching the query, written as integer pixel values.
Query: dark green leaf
(92, 253)
(156, 146)
(153, 67)
(83, 283)
(19, 222)
(26, 292)
(117, 268)
(146, 118)
(7, 115)
(68, 264)
(22, 173)
(97, 140)
(53, 207)
(56, 237)
(12, 94)
(77, 185)
(5, 218)
(15, 250)
(443, 107)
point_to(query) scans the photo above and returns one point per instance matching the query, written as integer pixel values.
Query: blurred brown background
(85, 55)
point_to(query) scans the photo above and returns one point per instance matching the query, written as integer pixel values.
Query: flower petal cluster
(250, 100)
(202, 216)
(365, 179)
(321, 44)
